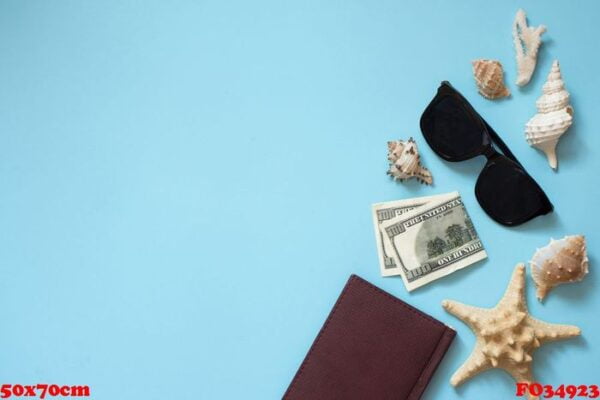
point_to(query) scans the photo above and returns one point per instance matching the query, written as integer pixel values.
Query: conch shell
(489, 77)
(561, 261)
(527, 42)
(554, 117)
(405, 162)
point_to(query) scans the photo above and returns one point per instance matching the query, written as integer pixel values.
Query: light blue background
(185, 186)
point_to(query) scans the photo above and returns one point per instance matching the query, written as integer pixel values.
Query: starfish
(506, 334)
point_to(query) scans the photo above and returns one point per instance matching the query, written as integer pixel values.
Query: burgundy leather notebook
(373, 346)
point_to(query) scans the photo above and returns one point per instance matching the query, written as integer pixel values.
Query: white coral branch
(527, 42)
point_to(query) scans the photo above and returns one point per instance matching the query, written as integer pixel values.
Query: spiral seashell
(561, 261)
(489, 77)
(554, 116)
(405, 162)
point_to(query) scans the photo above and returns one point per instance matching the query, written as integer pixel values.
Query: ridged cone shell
(489, 77)
(561, 261)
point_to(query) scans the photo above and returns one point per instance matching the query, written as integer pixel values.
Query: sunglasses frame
(489, 137)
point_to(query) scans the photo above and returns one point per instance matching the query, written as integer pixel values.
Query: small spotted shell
(561, 261)
(405, 162)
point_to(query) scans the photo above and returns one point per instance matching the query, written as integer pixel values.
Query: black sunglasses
(456, 132)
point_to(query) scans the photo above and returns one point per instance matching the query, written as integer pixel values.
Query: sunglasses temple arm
(496, 139)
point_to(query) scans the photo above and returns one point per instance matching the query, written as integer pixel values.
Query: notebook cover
(372, 346)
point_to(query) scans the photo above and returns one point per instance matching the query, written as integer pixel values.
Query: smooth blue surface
(185, 186)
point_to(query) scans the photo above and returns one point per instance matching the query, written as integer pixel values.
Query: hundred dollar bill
(382, 212)
(432, 240)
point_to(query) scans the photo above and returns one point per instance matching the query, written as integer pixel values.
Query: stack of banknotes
(425, 238)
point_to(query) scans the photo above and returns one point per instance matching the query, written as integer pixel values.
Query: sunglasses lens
(508, 194)
(452, 132)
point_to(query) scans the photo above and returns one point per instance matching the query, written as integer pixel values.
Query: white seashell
(527, 42)
(489, 78)
(405, 162)
(554, 117)
(561, 261)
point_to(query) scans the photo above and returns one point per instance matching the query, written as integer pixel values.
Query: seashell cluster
(554, 116)
(489, 77)
(527, 42)
(405, 162)
(506, 335)
(561, 261)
